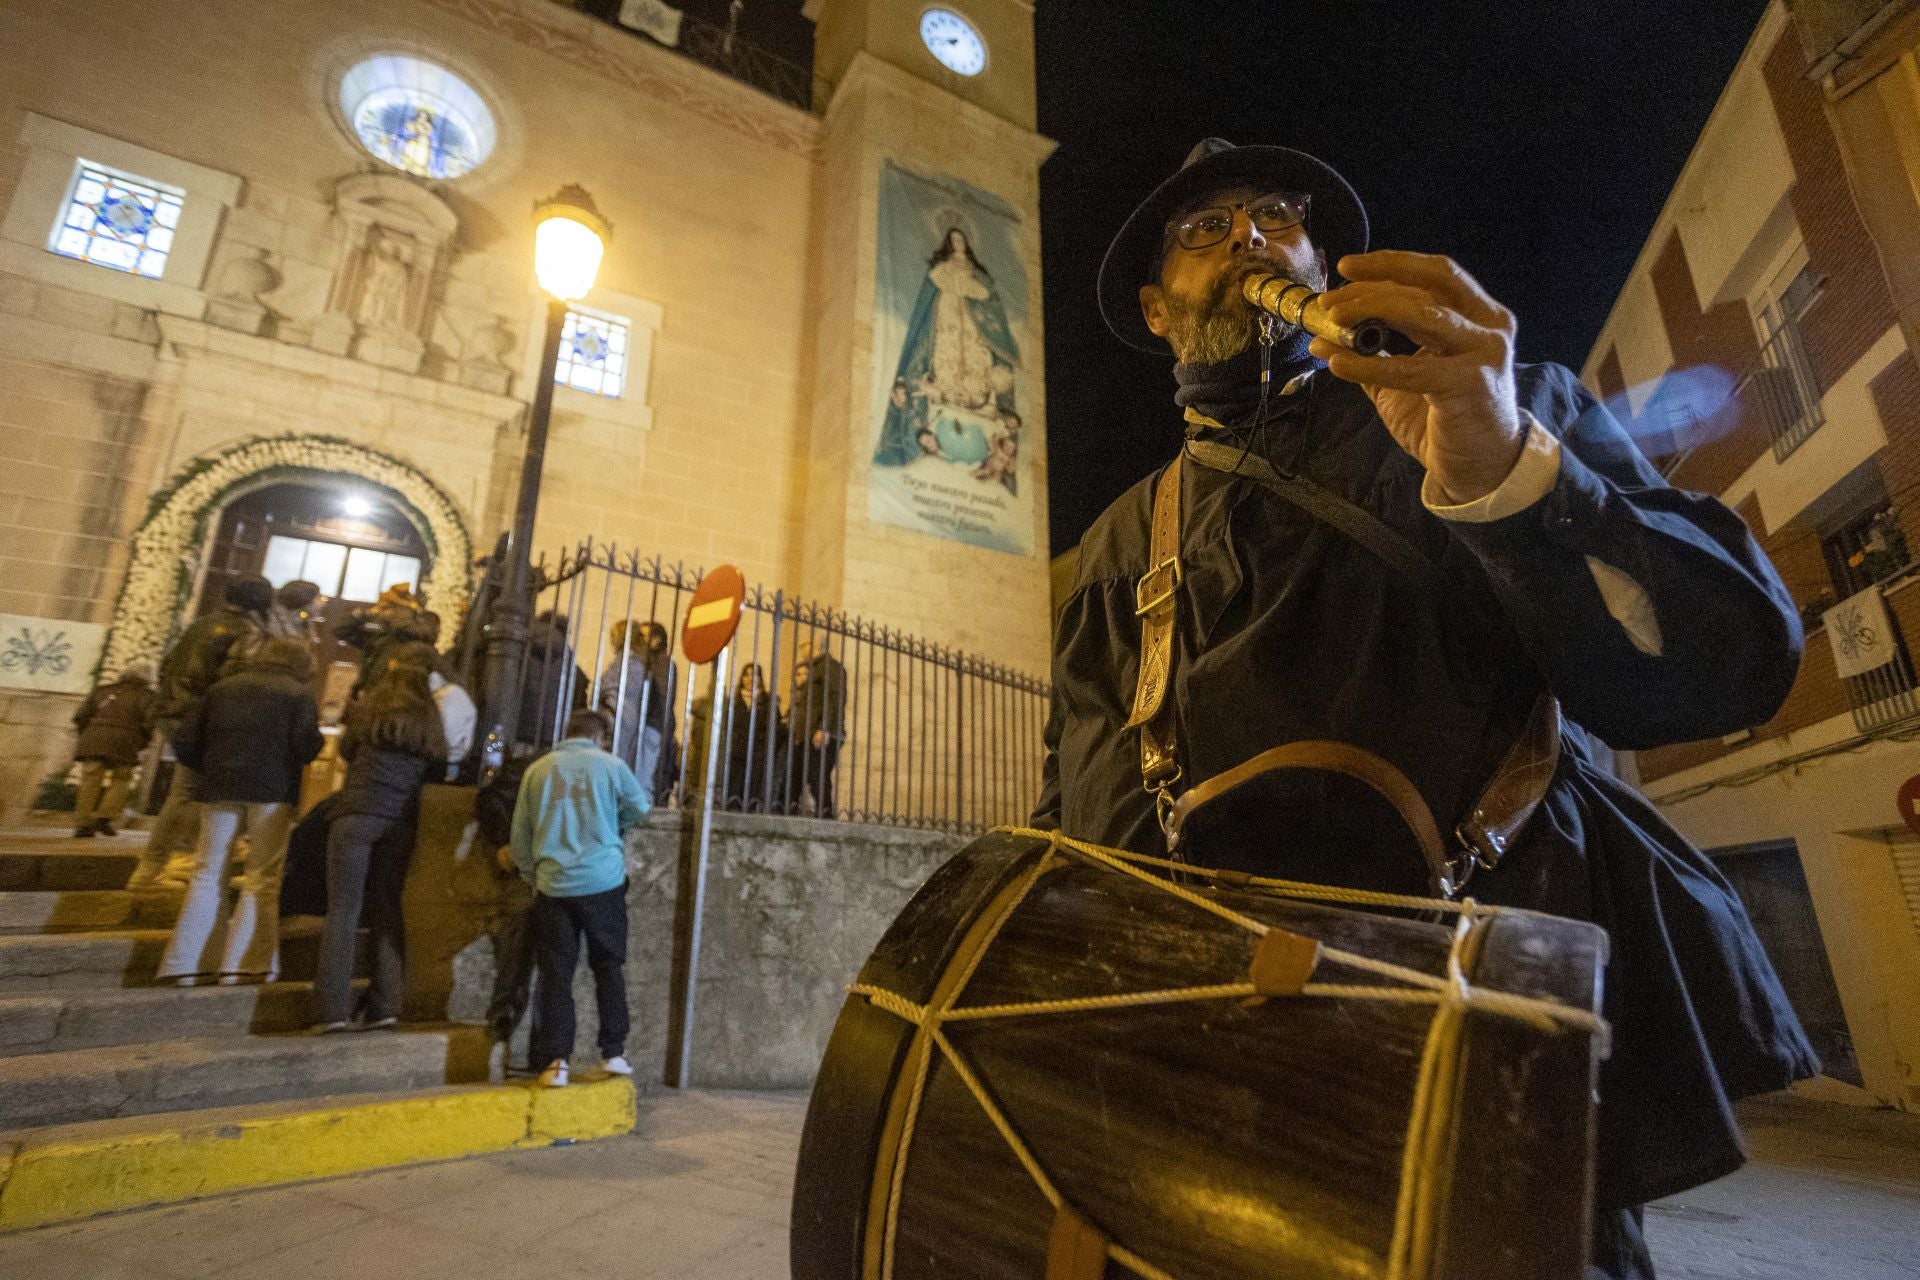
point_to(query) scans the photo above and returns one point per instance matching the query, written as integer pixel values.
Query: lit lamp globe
(569, 237)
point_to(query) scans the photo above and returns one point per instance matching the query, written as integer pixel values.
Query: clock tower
(926, 491)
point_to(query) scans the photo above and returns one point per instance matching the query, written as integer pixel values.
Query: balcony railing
(730, 55)
(1781, 383)
(1831, 30)
(723, 49)
(1885, 694)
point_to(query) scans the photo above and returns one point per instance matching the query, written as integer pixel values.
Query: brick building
(1763, 351)
(270, 268)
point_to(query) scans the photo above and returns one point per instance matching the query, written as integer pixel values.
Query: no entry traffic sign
(1908, 802)
(714, 614)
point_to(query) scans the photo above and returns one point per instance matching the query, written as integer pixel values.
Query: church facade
(267, 305)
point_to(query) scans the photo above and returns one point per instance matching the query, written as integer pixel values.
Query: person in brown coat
(113, 732)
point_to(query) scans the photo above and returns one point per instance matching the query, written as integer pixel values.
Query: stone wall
(793, 907)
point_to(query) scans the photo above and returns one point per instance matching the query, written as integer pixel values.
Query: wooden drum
(1064, 1063)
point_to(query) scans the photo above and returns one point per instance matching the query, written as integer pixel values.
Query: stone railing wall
(793, 907)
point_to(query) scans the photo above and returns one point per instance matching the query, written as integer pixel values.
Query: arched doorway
(344, 537)
(160, 590)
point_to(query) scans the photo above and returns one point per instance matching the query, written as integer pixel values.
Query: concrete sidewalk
(700, 1191)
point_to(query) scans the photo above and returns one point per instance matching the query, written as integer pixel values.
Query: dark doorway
(348, 538)
(1772, 884)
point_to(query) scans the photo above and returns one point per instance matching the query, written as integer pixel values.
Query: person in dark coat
(636, 692)
(756, 745)
(113, 732)
(247, 741)
(189, 669)
(1556, 560)
(393, 743)
(550, 679)
(817, 710)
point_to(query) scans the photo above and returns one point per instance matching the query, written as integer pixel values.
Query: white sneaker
(618, 1066)
(555, 1076)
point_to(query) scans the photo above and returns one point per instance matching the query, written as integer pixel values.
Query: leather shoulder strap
(1156, 596)
(1346, 517)
(1517, 788)
(1335, 757)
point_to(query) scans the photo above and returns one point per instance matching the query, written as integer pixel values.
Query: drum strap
(1155, 597)
(1504, 805)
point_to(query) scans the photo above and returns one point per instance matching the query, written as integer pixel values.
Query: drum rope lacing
(1429, 1119)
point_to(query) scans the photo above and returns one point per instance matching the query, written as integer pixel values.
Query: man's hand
(503, 858)
(819, 738)
(1451, 405)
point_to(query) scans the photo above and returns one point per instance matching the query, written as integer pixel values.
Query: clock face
(952, 39)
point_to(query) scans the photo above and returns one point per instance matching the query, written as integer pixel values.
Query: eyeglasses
(1204, 228)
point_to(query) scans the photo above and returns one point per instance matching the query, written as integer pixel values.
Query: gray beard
(1220, 328)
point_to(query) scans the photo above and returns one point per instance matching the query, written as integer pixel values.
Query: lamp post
(569, 238)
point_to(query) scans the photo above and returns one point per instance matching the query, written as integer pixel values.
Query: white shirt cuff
(1532, 478)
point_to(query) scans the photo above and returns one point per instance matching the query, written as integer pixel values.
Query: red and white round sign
(1908, 802)
(714, 614)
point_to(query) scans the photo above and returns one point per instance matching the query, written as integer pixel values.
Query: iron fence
(826, 715)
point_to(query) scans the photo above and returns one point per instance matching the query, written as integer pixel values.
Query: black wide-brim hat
(1336, 221)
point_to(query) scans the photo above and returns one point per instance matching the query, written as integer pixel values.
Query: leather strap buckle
(1167, 570)
(1479, 849)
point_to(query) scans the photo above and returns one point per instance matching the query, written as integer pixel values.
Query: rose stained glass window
(416, 116)
(593, 353)
(117, 221)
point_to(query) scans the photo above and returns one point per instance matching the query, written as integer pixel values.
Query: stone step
(77, 1085)
(86, 910)
(56, 1021)
(44, 962)
(64, 961)
(60, 866)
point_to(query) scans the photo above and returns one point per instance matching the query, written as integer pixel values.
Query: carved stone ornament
(238, 287)
(486, 366)
(394, 238)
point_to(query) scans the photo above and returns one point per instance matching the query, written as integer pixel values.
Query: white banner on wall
(48, 655)
(650, 17)
(1861, 636)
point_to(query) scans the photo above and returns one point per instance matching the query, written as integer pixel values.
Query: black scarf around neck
(1229, 392)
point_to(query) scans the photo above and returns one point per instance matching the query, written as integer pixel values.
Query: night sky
(1536, 148)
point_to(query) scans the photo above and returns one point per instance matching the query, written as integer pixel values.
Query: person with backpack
(113, 732)
(247, 741)
(190, 668)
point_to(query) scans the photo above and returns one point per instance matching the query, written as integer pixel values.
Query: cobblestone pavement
(700, 1192)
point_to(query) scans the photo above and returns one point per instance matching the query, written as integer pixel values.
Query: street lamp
(569, 237)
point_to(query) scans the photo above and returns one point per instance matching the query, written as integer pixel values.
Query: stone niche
(394, 239)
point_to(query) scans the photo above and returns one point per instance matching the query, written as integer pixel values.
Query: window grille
(593, 352)
(116, 220)
(1781, 380)
(1869, 549)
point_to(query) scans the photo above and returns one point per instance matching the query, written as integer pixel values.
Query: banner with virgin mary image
(949, 381)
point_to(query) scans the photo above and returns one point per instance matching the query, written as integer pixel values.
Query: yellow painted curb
(84, 1170)
(581, 1113)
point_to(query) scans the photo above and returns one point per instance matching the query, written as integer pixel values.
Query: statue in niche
(388, 275)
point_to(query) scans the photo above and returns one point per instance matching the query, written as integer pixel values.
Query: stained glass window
(593, 352)
(416, 116)
(117, 221)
